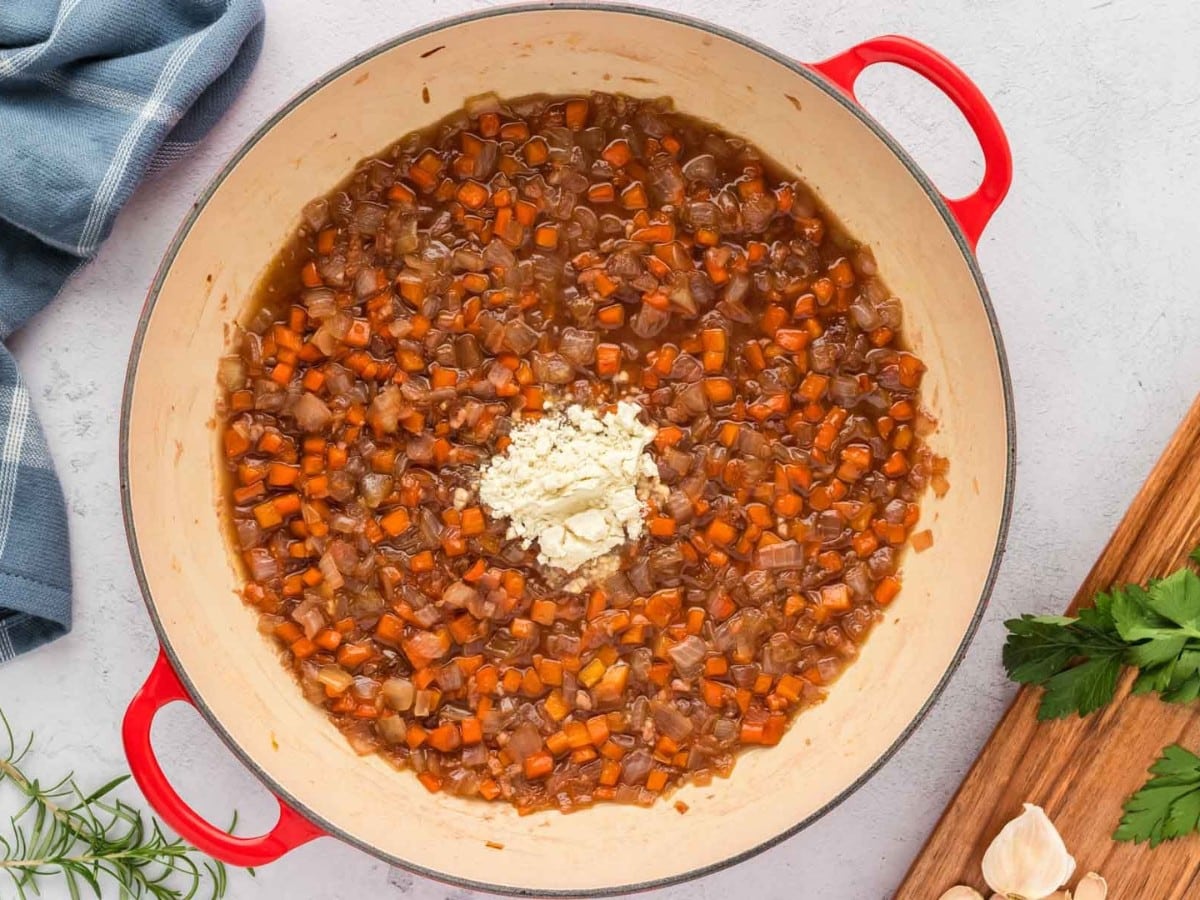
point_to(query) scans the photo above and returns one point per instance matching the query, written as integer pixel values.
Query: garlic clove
(1027, 858)
(1059, 895)
(961, 892)
(1091, 887)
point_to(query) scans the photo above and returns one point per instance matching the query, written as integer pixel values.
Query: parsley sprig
(1168, 805)
(1078, 661)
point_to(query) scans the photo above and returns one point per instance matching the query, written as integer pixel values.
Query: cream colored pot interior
(171, 447)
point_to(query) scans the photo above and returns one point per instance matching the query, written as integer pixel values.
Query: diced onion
(784, 555)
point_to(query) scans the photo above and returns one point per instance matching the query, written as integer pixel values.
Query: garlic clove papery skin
(1028, 859)
(1091, 887)
(961, 892)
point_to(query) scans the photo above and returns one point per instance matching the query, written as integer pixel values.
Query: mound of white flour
(570, 481)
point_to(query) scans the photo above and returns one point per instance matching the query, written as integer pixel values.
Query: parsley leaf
(1155, 629)
(1081, 689)
(1135, 618)
(1177, 598)
(1168, 805)
(1041, 650)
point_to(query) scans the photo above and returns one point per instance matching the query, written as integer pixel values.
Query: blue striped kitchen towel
(93, 95)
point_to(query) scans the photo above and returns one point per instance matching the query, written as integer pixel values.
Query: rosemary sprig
(86, 840)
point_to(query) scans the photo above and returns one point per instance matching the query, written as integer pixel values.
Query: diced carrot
(830, 561)
(612, 684)
(288, 632)
(472, 194)
(659, 233)
(576, 113)
(546, 236)
(522, 628)
(309, 276)
(792, 339)
(472, 522)
(453, 542)
(597, 729)
(617, 153)
(489, 789)
(662, 606)
(716, 665)
(668, 436)
(662, 526)
(487, 679)
(317, 486)
(472, 730)
(836, 597)
(550, 671)
(513, 583)
(415, 736)
(772, 319)
(397, 193)
(718, 390)
(543, 611)
(608, 360)
(720, 532)
(611, 316)
(282, 373)
(303, 648)
(896, 465)
(538, 765)
(634, 196)
(556, 706)
(610, 750)
(445, 738)
(864, 544)
(249, 493)
(463, 628)
(267, 515)
(328, 639)
(282, 475)
(536, 151)
(558, 743)
(886, 590)
(601, 192)
(389, 629)
(577, 735)
(525, 212)
(237, 443)
(396, 522)
(351, 656)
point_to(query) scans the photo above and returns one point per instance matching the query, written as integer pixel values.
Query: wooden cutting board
(1082, 770)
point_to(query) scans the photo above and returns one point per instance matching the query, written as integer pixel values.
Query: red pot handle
(973, 211)
(163, 687)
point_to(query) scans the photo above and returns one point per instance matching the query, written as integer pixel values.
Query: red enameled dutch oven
(804, 116)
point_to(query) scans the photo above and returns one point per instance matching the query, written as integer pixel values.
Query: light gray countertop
(1091, 264)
